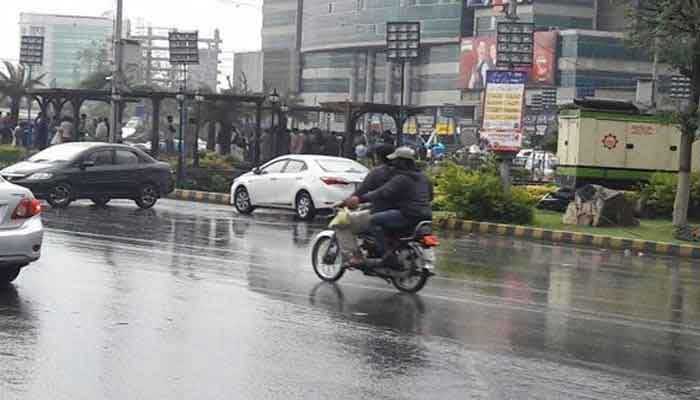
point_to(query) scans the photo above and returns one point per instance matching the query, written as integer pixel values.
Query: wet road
(190, 301)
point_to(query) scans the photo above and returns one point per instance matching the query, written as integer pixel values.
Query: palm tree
(15, 83)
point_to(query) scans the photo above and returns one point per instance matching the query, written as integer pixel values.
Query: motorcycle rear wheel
(327, 272)
(411, 284)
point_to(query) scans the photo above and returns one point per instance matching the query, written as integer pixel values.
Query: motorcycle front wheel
(412, 283)
(328, 269)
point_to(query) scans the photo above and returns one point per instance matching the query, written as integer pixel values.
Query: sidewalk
(520, 232)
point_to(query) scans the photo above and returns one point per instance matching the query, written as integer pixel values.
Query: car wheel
(242, 201)
(60, 196)
(148, 197)
(305, 206)
(100, 201)
(8, 275)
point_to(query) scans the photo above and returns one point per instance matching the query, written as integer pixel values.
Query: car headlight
(40, 176)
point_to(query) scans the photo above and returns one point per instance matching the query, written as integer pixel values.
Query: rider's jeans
(390, 220)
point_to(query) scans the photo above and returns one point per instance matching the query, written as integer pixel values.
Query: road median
(568, 237)
(202, 197)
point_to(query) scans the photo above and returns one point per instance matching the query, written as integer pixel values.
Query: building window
(409, 3)
(360, 5)
(330, 8)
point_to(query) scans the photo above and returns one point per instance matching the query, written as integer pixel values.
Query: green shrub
(479, 196)
(215, 182)
(659, 195)
(535, 193)
(10, 155)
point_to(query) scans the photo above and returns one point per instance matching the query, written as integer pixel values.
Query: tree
(676, 25)
(97, 80)
(15, 83)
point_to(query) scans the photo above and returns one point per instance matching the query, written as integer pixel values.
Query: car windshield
(56, 154)
(347, 166)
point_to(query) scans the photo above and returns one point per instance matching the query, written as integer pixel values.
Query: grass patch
(655, 230)
(648, 229)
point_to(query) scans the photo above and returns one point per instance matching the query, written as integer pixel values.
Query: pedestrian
(82, 128)
(109, 128)
(361, 152)
(306, 142)
(317, 142)
(67, 130)
(266, 146)
(92, 128)
(53, 128)
(18, 135)
(170, 136)
(101, 131)
(41, 139)
(388, 137)
(28, 135)
(296, 142)
(57, 137)
(5, 138)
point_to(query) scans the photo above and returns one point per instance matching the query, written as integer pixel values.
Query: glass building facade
(72, 45)
(335, 48)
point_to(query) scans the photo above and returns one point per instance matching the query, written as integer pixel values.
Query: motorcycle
(408, 267)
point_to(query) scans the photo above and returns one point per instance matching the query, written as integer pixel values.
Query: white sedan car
(21, 230)
(303, 183)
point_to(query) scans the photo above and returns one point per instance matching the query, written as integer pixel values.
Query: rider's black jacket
(409, 191)
(373, 181)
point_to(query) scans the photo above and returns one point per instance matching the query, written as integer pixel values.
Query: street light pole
(180, 148)
(399, 129)
(199, 99)
(403, 45)
(116, 75)
(274, 101)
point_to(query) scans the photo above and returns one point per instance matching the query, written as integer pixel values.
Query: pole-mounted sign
(31, 50)
(184, 48)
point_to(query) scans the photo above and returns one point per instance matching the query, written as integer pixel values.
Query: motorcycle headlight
(40, 176)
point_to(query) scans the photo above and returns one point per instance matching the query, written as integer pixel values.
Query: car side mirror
(257, 171)
(87, 164)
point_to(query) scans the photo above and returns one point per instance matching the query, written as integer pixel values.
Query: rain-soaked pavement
(190, 301)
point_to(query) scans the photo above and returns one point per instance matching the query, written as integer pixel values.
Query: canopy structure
(58, 98)
(354, 111)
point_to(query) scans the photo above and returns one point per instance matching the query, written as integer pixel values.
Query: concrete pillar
(388, 80)
(352, 95)
(155, 127)
(149, 58)
(369, 85)
(407, 89)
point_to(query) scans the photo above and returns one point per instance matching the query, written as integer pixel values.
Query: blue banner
(508, 77)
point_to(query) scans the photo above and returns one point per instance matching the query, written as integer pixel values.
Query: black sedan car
(97, 171)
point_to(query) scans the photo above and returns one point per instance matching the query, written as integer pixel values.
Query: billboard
(502, 127)
(479, 55)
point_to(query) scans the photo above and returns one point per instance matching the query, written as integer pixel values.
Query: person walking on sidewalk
(170, 136)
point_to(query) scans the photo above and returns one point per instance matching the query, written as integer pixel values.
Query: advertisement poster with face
(478, 56)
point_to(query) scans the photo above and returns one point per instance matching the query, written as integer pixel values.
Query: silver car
(21, 230)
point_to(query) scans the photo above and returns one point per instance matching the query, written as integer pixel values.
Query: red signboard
(478, 55)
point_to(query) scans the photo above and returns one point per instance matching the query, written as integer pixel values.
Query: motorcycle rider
(378, 176)
(409, 194)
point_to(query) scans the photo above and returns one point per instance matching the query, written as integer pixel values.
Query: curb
(520, 232)
(575, 238)
(201, 197)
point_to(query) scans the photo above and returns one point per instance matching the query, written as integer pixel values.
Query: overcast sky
(240, 26)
